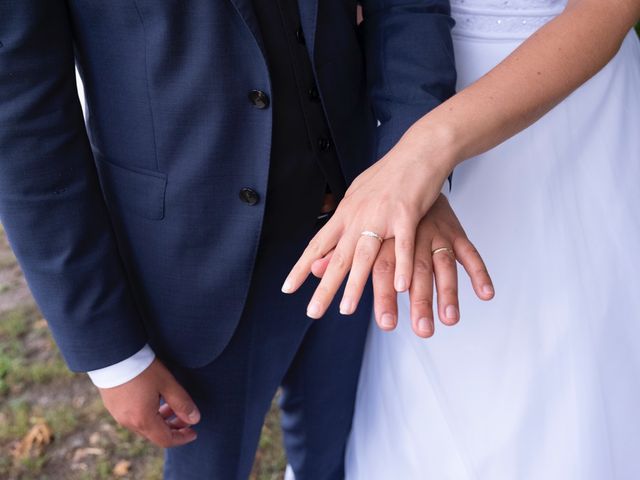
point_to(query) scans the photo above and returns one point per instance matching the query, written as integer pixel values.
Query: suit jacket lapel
(309, 20)
(245, 9)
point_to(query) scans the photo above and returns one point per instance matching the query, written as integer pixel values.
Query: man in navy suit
(155, 236)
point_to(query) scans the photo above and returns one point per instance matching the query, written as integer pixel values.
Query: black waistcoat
(303, 160)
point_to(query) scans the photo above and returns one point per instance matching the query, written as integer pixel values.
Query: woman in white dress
(543, 382)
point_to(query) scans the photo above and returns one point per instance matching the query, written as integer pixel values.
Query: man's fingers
(180, 402)
(473, 264)
(333, 277)
(444, 267)
(367, 249)
(159, 432)
(421, 294)
(170, 418)
(405, 237)
(320, 266)
(318, 247)
(385, 303)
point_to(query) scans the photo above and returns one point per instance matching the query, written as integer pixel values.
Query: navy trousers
(316, 362)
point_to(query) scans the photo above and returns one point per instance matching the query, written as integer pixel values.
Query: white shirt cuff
(122, 372)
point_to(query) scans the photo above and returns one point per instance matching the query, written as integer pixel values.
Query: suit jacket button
(249, 196)
(259, 99)
(324, 144)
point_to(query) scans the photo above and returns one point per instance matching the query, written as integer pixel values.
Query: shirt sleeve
(124, 371)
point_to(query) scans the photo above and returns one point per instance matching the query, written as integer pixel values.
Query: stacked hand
(398, 200)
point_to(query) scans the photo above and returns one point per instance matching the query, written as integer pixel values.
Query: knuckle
(314, 248)
(363, 254)
(444, 260)
(481, 271)
(386, 298)
(384, 265)
(384, 199)
(449, 291)
(339, 261)
(322, 292)
(422, 303)
(404, 244)
(463, 243)
(180, 405)
(422, 266)
(471, 248)
(406, 212)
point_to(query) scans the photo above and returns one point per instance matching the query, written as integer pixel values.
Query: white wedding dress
(543, 382)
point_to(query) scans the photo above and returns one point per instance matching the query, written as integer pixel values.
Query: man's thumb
(180, 402)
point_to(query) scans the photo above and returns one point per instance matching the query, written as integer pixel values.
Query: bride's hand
(389, 199)
(438, 231)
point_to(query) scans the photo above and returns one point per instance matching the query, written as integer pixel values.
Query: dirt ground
(52, 422)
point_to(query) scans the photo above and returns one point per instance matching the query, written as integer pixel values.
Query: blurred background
(52, 422)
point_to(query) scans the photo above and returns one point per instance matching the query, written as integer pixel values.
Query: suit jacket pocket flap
(140, 192)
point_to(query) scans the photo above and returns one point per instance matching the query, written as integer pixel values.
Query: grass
(15, 323)
(37, 388)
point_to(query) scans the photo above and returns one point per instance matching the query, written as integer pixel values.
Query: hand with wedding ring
(440, 241)
(389, 198)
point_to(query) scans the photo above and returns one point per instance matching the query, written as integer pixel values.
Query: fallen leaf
(34, 441)
(122, 468)
(82, 453)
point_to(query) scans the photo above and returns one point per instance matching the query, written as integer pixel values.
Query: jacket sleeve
(51, 205)
(410, 62)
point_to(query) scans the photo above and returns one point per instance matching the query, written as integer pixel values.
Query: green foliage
(15, 420)
(15, 323)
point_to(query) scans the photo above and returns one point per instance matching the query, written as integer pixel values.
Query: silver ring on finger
(369, 233)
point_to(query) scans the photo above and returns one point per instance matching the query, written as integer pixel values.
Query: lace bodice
(503, 18)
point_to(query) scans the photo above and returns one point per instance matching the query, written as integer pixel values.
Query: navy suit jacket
(129, 228)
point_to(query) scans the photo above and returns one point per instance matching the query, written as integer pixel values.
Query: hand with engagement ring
(440, 241)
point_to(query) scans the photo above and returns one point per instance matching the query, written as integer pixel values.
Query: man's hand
(438, 231)
(136, 405)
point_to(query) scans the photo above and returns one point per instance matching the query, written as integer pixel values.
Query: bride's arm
(391, 197)
(544, 70)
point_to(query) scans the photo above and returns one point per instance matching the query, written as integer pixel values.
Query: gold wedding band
(369, 233)
(443, 249)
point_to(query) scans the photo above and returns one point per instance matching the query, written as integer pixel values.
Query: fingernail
(286, 286)
(424, 325)
(314, 309)
(346, 306)
(401, 283)
(194, 416)
(487, 290)
(387, 320)
(451, 312)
